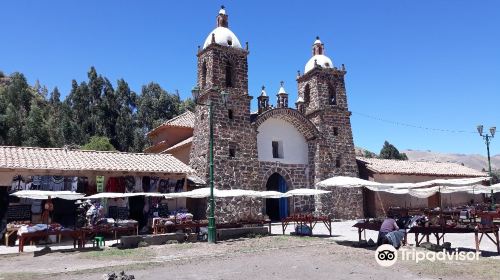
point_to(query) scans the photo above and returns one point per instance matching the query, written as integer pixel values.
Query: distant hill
(474, 161)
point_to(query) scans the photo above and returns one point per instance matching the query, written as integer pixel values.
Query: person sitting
(388, 225)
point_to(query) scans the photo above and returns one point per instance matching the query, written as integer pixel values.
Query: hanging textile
(138, 184)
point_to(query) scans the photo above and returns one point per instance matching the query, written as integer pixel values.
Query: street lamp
(211, 218)
(487, 139)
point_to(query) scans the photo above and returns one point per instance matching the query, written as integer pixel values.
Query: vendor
(389, 225)
(48, 208)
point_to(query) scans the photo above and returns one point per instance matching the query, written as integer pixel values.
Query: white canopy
(420, 190)
(36, 194)
(111, 195)
(272, 194)
(485, 189)
(353, 182)
(462, 182)
(205, 192)
(302, 192)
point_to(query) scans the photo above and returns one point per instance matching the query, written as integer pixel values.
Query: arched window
(204, 75)
(338, 162)
(332, 95)
(307, 93)
(229, 74)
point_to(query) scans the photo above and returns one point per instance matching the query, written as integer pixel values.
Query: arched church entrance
(277, 208)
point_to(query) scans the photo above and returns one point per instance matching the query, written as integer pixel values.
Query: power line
(411, 125)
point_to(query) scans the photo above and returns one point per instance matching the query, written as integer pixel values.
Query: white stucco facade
(293, 145)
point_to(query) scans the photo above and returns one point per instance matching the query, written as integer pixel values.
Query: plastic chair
(99, 240)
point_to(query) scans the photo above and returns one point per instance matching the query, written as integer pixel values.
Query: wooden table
(309, 220)
(89, 232)
(375, 226)
(363, 226)
(439, 231)
(30, 236)
(487, 231)
(8, 233)
(196, 225)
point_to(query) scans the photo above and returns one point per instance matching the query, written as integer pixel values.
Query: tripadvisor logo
(386, 255)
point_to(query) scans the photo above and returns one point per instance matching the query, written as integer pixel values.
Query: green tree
(369, 154)
(125, 122)
(156, 105)
(389, 151)
(15, 103)
(54, 119)
(187, 105)
(35, 132)
(99, 143)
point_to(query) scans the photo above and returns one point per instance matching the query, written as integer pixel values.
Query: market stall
(433, 222)
(184, 221)
(118, 193)
(305, 223)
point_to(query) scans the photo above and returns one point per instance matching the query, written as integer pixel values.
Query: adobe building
(276, 148)
(376, 204)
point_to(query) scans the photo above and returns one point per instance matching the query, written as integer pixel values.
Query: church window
(307, 93)
(232, 150)
(332, 95)
(337, 162)
(204, 75)
(335, 131)
(229, 75)
(277, 149)
(230, 114)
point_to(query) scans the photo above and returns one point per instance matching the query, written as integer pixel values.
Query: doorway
(277, 209)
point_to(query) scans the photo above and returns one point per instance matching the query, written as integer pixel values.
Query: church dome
(318, 57)
(322, 60)
(223, 36)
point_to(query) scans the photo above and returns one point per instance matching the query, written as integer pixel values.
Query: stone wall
(333, 153)
(236, 133)
(236, 209)
(341, 203)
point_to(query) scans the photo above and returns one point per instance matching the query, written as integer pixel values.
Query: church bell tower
(223, 67)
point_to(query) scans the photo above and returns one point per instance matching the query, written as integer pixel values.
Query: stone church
(279, 147)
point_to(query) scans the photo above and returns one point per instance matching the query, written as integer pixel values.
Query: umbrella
(36, 194)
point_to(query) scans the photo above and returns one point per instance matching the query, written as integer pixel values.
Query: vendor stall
(35, 174)
(439, 232)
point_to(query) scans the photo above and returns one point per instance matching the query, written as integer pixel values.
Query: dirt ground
(272, 257)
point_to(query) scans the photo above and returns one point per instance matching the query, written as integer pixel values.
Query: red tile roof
(31, 158)
(408, 167)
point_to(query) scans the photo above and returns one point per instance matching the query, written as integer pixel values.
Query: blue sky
(433, 64)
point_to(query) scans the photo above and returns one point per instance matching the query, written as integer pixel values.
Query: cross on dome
(222, 35)
(263, 92)
(282, 89)
(319, 59)
(222, 11)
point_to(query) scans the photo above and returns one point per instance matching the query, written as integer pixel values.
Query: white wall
(294, 143)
